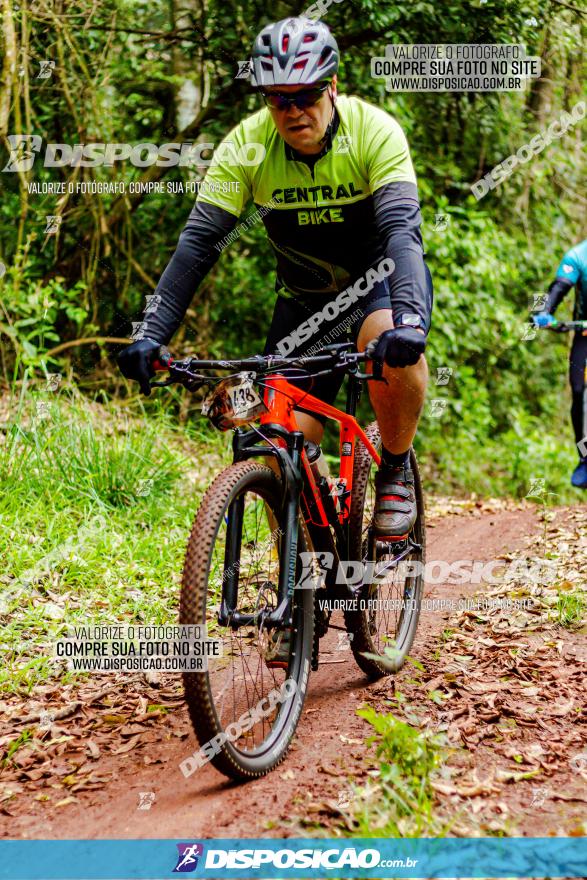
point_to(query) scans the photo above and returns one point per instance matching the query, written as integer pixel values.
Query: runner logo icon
(23, 149)
(187, 859)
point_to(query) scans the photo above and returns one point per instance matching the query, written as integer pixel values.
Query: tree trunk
(192, 92)
(8, 66)
(539, 101)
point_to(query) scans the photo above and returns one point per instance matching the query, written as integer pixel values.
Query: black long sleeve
(556, 293)
(198, 249)
(398, 218)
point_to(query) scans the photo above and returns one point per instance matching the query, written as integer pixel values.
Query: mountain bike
(276, 552)
(576, 327)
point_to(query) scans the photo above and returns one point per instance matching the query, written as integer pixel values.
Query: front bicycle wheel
(383, 626)
(245, 707)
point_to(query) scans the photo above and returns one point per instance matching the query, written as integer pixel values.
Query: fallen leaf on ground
(515, 776)
(128, 746)
(93, 749)
(113, 720)
(331, 771)
(66, 801)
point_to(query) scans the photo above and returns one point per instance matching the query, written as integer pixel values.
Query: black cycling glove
(400, 347)
(135, 362)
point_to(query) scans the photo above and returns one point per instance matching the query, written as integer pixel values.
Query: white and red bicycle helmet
(294, 51)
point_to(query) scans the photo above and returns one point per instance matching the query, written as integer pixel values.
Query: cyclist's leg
(397, 405)
(577, 380)
(312, 429)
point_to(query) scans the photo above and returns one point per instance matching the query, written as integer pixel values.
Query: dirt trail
(327, 752)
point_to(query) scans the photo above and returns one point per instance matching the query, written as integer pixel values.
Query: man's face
(303, 129)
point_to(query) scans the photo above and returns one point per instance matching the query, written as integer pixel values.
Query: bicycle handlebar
(566, 326)
(336, 355)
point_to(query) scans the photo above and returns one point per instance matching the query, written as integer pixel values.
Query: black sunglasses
(301, 100)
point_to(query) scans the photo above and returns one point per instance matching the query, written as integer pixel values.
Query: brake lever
(367, 377)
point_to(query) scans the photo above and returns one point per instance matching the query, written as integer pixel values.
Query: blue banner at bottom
(307, 858)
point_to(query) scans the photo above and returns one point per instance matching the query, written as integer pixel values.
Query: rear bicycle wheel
(244, 709)
(385, 622)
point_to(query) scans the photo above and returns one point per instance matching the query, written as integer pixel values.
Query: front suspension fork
(245, 445)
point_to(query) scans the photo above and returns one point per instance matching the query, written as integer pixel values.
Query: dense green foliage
(120, 71)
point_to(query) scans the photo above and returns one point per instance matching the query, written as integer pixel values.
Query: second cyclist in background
(572, 272)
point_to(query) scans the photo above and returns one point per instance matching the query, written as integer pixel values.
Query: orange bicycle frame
(280, 398)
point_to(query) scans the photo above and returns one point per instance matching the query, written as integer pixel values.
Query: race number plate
(233, 401)
(243, 397)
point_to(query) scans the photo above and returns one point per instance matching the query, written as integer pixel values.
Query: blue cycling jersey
(573, 269)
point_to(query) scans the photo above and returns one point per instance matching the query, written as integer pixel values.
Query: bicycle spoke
(386, 625)
(241, 679)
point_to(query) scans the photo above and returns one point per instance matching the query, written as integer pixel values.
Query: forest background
(162, 72)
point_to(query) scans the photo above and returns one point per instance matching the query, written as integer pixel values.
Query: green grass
(96, 504)
(401, 802)
(15, 744)
(571, 609)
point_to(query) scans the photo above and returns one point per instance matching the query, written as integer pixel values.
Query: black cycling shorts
(577, 363)
(289, 314)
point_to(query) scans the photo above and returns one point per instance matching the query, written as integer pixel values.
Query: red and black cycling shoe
(395, 503)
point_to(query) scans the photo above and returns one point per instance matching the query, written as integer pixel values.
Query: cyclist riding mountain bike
(339, 199)
(572, 272)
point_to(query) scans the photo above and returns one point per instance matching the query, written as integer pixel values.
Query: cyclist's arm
(567, 275)
(556, 293)
(397, 214)
(198, 249)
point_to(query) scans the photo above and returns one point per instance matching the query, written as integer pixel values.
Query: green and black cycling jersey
(329, 217)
